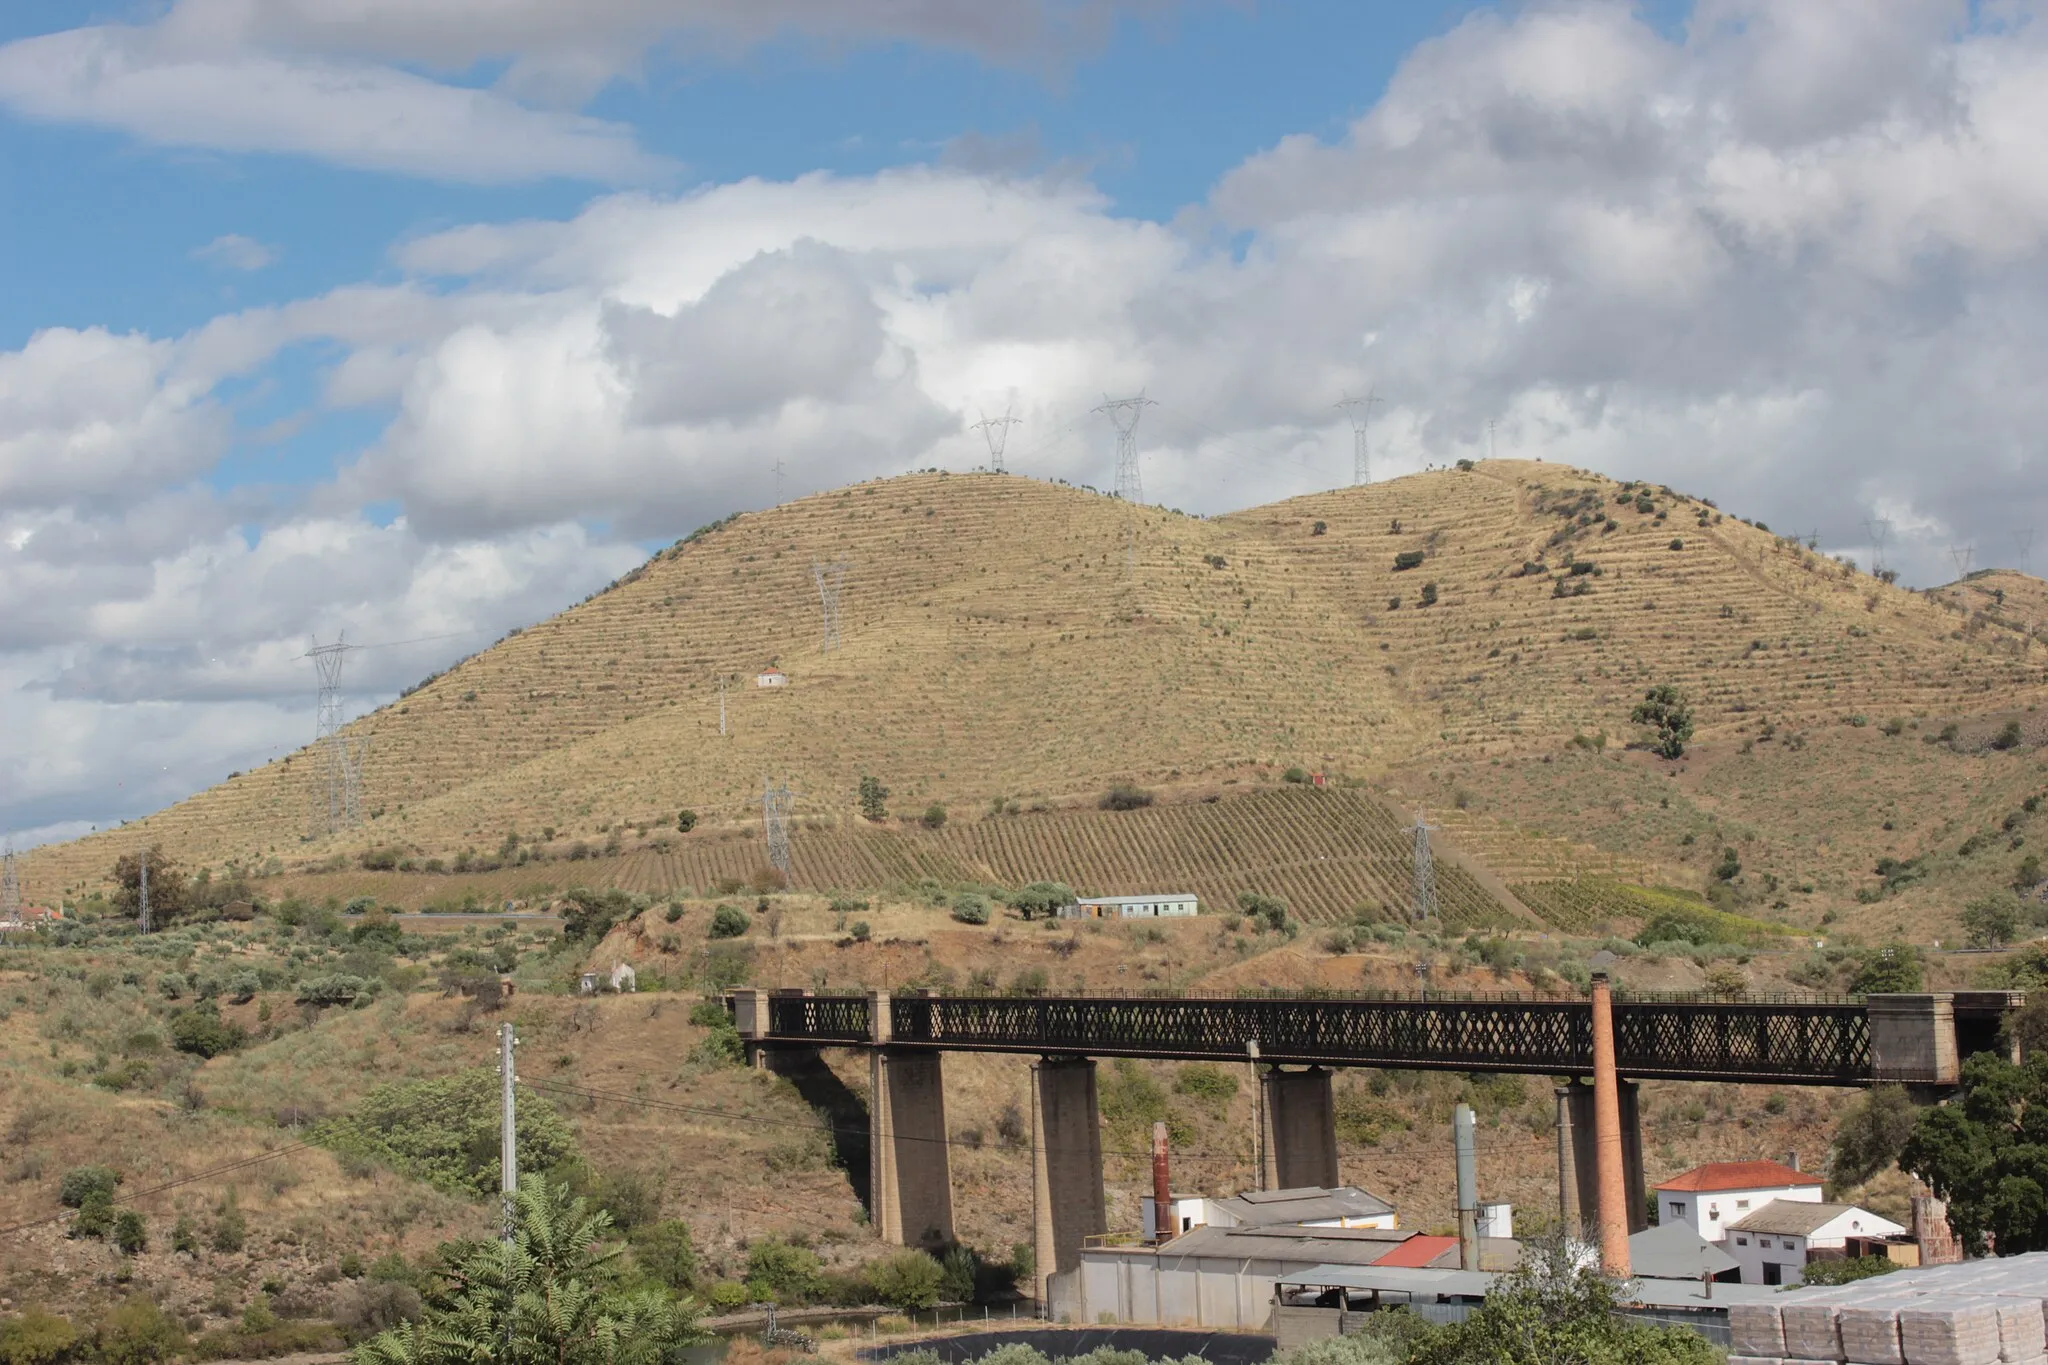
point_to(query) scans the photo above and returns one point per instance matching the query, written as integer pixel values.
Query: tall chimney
(1792, 1159)
(1162, 1190)
(1607, 1149)
(1468, 1187)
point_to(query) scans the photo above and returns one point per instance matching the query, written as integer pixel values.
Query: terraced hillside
(1012, 646)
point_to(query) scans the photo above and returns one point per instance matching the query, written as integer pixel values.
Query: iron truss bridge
(1789, 1042)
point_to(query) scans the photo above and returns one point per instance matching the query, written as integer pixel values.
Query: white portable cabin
(1158, 905)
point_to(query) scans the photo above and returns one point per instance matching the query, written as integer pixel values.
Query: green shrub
(1297, 776)
(1408, 559)
(673, 913)
(1891, 970)
(729, 921)
(2007, 738)
(971, 907)
(1124, 796)
(444, 1131)
(1428, 598)
(1042, 899)
(934, 816)
(202, 1032)
(874, 799)
(1665, 709)
(37, 1336)
(664, 1253)
(686, 820)
(173, 986)
(130, 1233)
(80, 1183)
(230, 1228)
(787, 1274)
(905, 1279)
(1847, 1270)
(338, 989)
(727, 1295)
(861, 931)
(95, 1217)
(138, 1333)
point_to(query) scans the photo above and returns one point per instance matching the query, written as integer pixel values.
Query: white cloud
(144, 82)
(236, 252)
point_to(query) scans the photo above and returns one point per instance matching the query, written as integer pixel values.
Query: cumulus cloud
(1728, 262)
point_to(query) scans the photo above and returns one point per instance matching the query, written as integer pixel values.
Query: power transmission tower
(142, 890)
(776, 801)
(777, 467)
(1813, 539)
(1880, 530)
(1359, 410)
(996, 431)
(340, 806)
(724, 679)
(1124, 413)
(1490, 425)
(1964, 556)
(2026, 546)
(829, 578)
(1425, 871)
(10, 893)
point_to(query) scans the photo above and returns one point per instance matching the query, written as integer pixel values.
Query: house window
(1742, 1241)
(1714, 1213)
(1742, 1203)
(1678, 1210)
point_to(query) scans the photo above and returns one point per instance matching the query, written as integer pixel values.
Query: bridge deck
(1789, 1042)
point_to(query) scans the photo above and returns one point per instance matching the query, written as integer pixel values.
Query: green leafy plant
(874, 799)
(729, 921)
(444, 1130)
(686, 820)
(1986, 1155)
(1665, 710)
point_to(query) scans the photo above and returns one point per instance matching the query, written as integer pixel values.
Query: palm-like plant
(549, 1296)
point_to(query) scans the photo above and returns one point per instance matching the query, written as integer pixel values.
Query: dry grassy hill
(1012, 648)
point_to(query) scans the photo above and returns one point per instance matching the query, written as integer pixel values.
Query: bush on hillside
(874, 799)
(1408, 559)
(1891, 970)
(905, 1279)
(445, 1131)
(1124, 796)
(1428, 598)
(338, 989)
(729, 921)
(934, 816)
(203, 1033)
(590, 915)
(971, 907)
(1665, 710)
(2007, 738)
(686, 820)
(37, 1336)
(1265, 912)
(81, 1183)
(1992, 921)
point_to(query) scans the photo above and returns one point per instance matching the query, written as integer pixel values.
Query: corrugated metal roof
(1673, 1251)
(1418, 1251)
(1304, 1205)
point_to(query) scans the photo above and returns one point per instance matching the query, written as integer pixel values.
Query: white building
(1708, 1198)
(1158, 905)
(1773, 1244)
(771, 676)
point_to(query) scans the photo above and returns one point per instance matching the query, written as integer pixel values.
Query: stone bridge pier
(1299, 1130)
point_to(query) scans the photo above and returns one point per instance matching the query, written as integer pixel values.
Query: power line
(342, 808)
(10, 891)
(1124, 413)
(776, 801)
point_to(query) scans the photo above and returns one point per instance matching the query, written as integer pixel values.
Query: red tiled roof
(1739, 1175)
(1418, 1251)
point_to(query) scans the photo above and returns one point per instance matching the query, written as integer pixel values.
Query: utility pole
(1124, 413)
(142, 890)
(2026, 546)
(1964, 556)
(1359, 410)
(1490, 425)
(508, 1133)
(1425, 871)
(996, 431)
(1879, 530)
(1251, 1052)
(777, 467)
(723, 679)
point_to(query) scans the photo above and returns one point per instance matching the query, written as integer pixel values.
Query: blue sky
(423, 318)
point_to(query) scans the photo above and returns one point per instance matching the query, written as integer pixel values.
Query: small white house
(771, 676)
(1773, 1244)
(1158, 905)
(1345, 1206)
(1708, 1198)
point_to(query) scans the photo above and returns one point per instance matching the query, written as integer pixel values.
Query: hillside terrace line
(1918, 1041)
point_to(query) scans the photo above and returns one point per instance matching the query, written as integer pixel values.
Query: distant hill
(1011, 649)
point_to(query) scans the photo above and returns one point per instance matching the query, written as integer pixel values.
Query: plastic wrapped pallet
(1756, 1329)
(1870, 1332)
(1951, 1330)
(1813, 1329)
(1755, 1360)
(2020, 1330)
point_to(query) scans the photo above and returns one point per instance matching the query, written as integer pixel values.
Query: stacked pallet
(1991, 1312)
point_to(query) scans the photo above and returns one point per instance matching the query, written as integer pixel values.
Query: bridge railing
(1801, 1041)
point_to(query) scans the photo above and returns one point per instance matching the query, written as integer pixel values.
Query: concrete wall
(910, 1176)
(1066, 1159)
(1301, 1130)
(1134, 1284)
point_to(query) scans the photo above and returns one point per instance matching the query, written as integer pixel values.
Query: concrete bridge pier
(1300, 1138)
(910, 1174)
(1913, 1042)
(1066, 1167)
